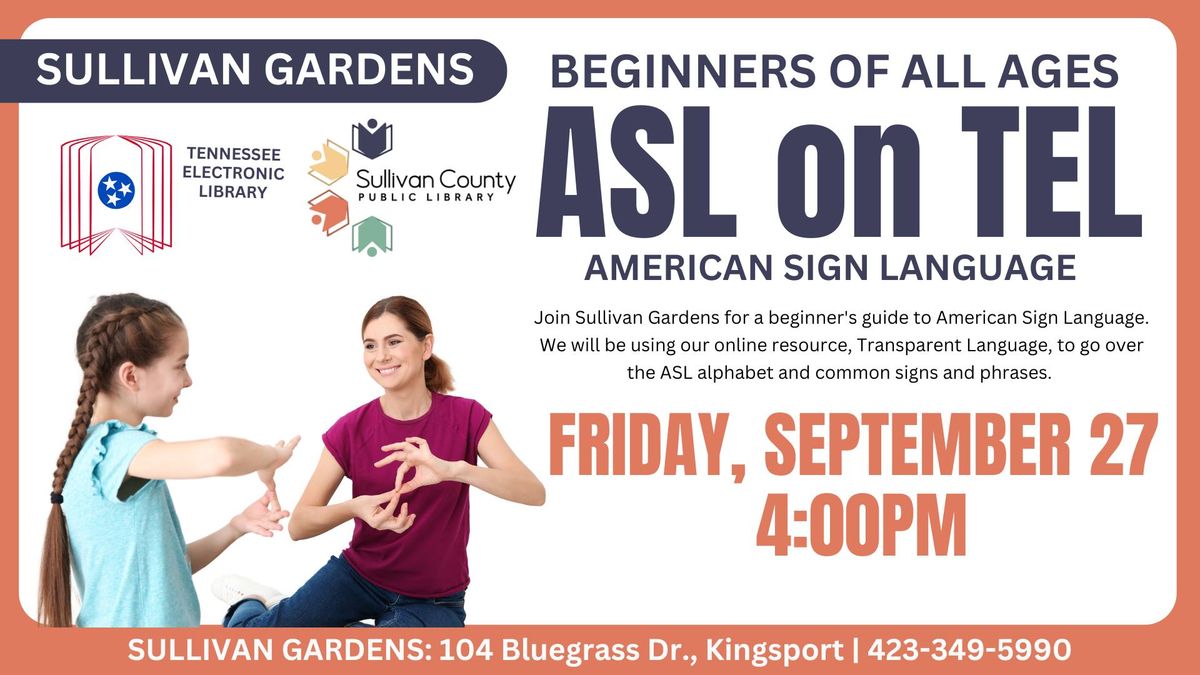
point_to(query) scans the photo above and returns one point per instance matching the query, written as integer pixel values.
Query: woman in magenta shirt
(411, 456)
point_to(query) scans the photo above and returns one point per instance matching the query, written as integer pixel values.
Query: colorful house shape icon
(372, 236)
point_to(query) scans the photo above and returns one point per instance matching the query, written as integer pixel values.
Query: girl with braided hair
(112, 516)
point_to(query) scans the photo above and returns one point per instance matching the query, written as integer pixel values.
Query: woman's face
(394, 357)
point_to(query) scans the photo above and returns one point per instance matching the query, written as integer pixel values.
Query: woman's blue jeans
(338, 596)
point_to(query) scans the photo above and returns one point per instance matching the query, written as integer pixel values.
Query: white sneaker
(232, 589)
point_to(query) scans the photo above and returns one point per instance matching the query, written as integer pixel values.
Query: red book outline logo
(148, 224)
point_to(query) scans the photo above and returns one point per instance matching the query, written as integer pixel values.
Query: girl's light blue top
(127, 549)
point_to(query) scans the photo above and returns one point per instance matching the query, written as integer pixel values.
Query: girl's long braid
(54, 601)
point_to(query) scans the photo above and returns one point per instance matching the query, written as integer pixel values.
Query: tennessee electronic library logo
(330, 210)
(116, 183)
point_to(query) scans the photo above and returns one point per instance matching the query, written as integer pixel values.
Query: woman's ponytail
(437, 375)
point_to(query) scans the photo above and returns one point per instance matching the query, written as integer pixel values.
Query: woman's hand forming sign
(413, 453)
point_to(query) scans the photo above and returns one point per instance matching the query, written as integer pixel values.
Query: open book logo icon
(116, 184)
(372, 139)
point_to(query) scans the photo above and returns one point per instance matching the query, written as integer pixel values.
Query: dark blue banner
(250, 71)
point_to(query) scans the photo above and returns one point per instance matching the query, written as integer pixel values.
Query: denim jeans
(338, 596)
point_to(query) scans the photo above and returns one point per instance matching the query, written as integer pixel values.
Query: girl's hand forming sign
(261, 517)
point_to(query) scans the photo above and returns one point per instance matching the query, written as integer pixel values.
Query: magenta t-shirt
(428, 560)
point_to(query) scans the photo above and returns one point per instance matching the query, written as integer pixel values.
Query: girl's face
(394, 357)
(160, 383)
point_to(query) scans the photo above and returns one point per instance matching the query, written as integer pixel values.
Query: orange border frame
(1164, 647)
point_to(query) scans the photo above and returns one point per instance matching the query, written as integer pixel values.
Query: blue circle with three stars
(115, 190)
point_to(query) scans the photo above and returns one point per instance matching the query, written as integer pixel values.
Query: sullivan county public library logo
(119, 184)
(331, 211)
(386, 181)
